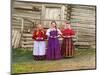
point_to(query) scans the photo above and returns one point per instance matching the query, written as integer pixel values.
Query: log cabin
(25, 15)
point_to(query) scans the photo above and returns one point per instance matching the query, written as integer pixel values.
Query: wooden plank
(25, 34)
(19, 21)
(25, 46)
(82, 24)
(27, 12)
(31, 18)
(28, 39)
(16, 24)
(85, 39)
(53, 13)
(84, 27)
(29, 15)
(53, 5)
(85, 35)
(83, 14)
(19, 37)
(78, 17)
(34, 8)
(81, 38)
(17, 28)
(84, 7)
(25, 17)
(83, 10)
(29, 5)
(27, 42)
(62, 12)
(83, 18)
(28, 25)
(42, 12)
(81, 43)
(87, 31)
(12, 33)
(17, 40)
(13, 38)
(19, 25)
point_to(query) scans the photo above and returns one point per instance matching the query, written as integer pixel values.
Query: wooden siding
(25, 16)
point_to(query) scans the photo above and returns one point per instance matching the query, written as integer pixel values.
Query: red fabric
(39, 34)
(68, 32)
(67, 48)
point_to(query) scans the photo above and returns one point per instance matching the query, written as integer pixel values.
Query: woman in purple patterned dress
(53, 48)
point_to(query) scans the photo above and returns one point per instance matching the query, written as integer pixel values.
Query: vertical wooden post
(43, 14)
(22, 24)
(62, 12)
(77, 33)
(68, 12)
(22, 28)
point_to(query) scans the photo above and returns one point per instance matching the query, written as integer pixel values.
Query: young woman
(67, 48)
(53, 49)
(39, 37)
(62, 28)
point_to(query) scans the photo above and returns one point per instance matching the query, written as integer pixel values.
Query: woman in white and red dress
(67, 47)
(39, 36)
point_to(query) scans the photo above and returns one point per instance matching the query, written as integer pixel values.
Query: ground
(23, 62)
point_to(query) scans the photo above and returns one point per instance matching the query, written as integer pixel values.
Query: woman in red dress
(39, 48)
(67, 47)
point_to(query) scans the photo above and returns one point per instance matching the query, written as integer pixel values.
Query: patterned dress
(53, 48)
(39, 47)
(67, 48)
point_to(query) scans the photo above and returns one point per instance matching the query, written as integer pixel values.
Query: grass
(21, 55)
(23, 62)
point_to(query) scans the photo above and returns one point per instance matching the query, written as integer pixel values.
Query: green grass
(23, 62)
(21, 55)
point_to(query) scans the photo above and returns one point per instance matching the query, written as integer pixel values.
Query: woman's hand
(53, 36)
(39, 38)
(68, 36)
(64, 36)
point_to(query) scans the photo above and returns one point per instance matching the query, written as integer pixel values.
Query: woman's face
(53, 25)
(68, 25)
(62, 26)
(39, 27)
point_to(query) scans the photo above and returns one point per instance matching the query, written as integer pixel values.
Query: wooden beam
(62, 12)
(43, 13)
(84, 7)
(28, 9)
(42, 19)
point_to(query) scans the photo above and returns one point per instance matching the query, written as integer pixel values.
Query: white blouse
(50, 29)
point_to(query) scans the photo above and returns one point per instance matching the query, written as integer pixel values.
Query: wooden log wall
(82, 20)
